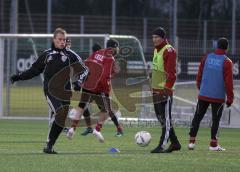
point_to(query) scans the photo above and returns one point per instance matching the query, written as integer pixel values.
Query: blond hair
(59, 30)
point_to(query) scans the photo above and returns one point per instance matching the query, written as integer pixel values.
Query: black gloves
(15, 78)
(228, 104)
(76, 86)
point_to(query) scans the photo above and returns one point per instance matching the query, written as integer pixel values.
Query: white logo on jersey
(99, 57)
(64, 58)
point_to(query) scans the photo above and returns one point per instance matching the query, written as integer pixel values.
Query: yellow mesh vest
(159, 75)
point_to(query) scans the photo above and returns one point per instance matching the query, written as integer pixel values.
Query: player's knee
(61, 115)
(86, 113)
(111, 114)
(82, 105)
(78, 114)
(103, 110)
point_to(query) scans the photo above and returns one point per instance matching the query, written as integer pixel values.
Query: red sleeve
(170, 61)
(200, 72)
(228, 80)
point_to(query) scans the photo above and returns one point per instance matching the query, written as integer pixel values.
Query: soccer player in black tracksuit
(55, 64)
(163, 80)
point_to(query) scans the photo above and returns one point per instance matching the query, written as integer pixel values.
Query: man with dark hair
(68, 43)
(55, 64)
(163, 79)
(222, 43)
(86, 114)
(96, 47)
(101, 89)
(215, 84)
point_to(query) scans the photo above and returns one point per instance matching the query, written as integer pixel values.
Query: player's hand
(116, 67)
(150, 75)
(160, 97)
(228, 104)
(167, 91)
(14, 78)
(165, 94)
(163, 97)
(76, 86)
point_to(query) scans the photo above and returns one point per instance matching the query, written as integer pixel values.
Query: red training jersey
(102, 78)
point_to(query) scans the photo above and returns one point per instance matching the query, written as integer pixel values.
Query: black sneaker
(158, 149)
(119, 134)
(119, 131)
(87, 131)
(49, 150)
(173, 147)
(65, 129)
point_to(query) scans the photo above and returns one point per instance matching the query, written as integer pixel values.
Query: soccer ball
(72, 113)
(142, 138)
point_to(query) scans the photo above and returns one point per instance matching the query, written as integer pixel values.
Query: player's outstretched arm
(36, 68)
(14, 78)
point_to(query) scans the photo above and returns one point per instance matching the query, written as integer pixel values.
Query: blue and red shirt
(215, 78)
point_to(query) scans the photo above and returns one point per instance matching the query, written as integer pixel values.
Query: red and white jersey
(102, 67)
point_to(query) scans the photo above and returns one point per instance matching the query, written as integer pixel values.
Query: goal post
(1, 75)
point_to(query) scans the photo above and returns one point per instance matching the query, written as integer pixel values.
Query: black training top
(55, 65)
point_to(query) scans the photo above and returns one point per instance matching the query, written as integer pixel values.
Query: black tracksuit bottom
(59, 110)
(162, 107)
(202, 106)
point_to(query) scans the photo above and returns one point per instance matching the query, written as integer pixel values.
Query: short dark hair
(59, 30)
(68, 40)
(96, 47)
(160, 31)
(222, 43)
(112, 43)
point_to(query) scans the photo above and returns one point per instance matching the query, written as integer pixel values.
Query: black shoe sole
(169, 151)
(158, 151)
(49, 151)
(85, 134)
